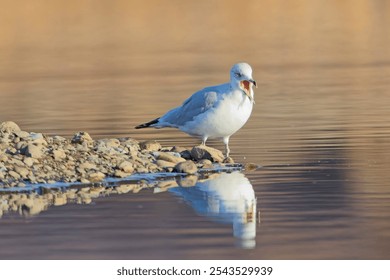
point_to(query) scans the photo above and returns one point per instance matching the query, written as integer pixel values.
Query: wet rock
(9, 126)
(188, 167)
(81, 137)
(151, 146)
(251, 166)
(205, 152)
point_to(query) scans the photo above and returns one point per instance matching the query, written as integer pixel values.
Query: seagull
(215, 112)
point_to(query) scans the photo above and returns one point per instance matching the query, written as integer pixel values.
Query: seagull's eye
(238, 75)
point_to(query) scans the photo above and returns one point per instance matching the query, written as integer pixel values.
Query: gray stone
(204, 152)
(186, 167)
(22, 134)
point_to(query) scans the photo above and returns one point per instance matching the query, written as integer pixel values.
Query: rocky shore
(30, 158)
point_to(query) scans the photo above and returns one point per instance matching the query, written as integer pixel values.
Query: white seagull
(215, 112)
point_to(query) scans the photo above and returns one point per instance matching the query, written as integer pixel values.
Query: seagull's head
(241, 78)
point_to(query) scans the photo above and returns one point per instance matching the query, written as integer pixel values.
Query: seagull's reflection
(227, 198)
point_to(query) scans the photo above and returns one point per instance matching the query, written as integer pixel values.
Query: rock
(188, 167)
(165, 164)
(38, 139)
(205, 152)
(29, 161)
(33, 151)
(14, 175)
(87, 166)
(126, 167)
(121, 174)
(23, 172)
(168, 157)
(151, 146)
(112, 143)
(9, 126)
(96, 177)
(81, 137)
(22, 134)
(228, 160)
(59, 154)
(206, 163)
(251, 166)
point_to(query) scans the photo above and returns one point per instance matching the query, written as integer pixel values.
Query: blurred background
(320, 126)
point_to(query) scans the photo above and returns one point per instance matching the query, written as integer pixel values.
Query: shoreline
(34, 158)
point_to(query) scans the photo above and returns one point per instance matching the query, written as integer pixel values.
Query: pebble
(169, 157)
(9, 126)
(151, 146)
(33, 151)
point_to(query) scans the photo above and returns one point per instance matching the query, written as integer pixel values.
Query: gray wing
(194, 106)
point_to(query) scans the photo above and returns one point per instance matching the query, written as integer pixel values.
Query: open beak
(245, 86)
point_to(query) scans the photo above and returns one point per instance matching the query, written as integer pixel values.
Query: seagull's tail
(147, 124)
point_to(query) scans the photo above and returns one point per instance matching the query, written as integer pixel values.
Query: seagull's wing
(197, 104)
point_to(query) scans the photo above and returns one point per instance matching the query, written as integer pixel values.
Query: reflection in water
(224, 197)
(227, 198)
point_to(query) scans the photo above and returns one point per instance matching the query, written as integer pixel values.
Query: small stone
(22, 134)
(81, 137)
(112, 143)
(228, 160)
(126, 167)
(87, 166)
(9, 126)
(251, 166)
(120, 174)
(188, 167)
(96, 177)
(23, 172)
(205, 152)
(165, 164)
(14, 175)
(59, 154)
(29, 161)
(169, 157)
(151, 146)
(206, 163)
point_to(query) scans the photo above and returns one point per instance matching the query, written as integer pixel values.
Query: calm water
(320, 128)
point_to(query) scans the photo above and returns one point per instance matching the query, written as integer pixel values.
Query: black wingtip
(144, 125)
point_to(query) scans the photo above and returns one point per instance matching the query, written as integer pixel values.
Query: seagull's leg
(204, 139)
(226, 142)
